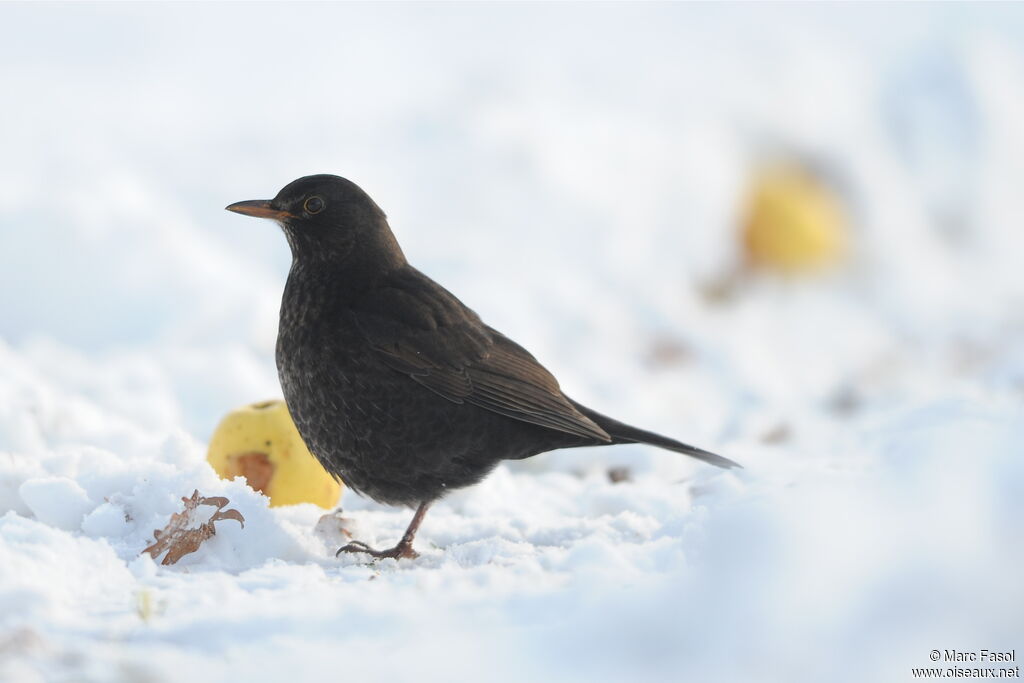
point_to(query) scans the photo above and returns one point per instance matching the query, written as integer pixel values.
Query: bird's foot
(401, 551)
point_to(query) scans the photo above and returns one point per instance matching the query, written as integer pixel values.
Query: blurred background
(789, 233)
(582, 176)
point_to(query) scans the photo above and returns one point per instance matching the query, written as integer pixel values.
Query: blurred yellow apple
(794, 221)
(260, 442)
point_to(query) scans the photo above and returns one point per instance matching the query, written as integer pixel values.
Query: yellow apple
(794, 221)
(260, 442)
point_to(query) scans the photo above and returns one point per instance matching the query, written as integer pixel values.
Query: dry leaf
(333, 528)
(185, 533)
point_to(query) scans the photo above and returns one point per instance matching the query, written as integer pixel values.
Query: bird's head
(328, 218)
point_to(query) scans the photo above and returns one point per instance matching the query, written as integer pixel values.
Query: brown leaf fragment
(187, 529)
(334, 528)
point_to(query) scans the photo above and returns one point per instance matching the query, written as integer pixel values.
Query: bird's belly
(381, 432)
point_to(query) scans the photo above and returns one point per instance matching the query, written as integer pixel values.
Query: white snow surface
(575, 173)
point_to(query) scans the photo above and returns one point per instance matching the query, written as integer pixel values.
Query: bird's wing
(420, 329)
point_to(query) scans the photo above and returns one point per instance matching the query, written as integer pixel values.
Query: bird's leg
(404, 547)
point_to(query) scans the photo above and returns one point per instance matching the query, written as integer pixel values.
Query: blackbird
(396, 386)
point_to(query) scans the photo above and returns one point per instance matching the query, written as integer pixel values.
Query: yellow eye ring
(313, 205)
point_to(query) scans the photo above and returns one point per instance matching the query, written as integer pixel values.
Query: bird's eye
(313, 205)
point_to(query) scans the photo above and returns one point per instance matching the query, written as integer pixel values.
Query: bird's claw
(400, 551)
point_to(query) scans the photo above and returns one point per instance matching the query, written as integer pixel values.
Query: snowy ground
(574, 172)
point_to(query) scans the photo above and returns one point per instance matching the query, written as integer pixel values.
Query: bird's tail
(624, 433)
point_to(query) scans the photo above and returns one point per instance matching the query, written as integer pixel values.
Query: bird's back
(371, 420)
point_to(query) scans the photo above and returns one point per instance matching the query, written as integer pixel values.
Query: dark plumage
(395, 385)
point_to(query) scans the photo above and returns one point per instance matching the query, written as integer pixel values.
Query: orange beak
(259, 208)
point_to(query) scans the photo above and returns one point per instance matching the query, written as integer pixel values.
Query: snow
(575, 173)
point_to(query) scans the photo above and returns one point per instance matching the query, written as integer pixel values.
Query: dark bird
(396, 386)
